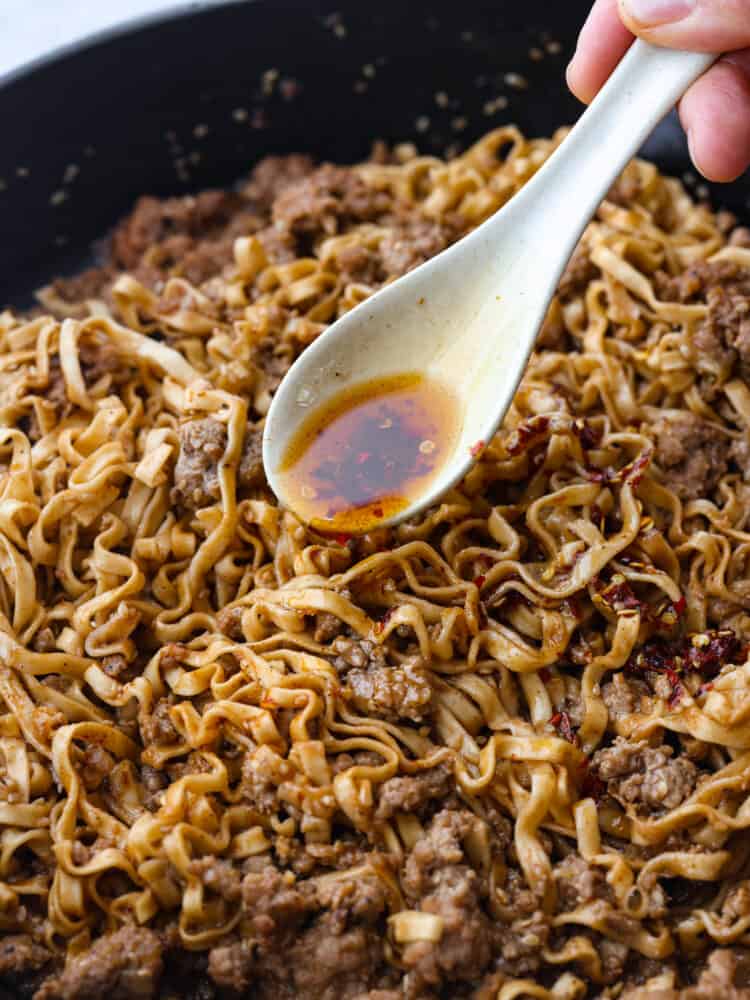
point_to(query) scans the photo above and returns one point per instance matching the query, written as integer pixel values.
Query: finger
(697, 25)
(715, 113)
(602, 43)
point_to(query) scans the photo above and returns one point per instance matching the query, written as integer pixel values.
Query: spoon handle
(646, 85)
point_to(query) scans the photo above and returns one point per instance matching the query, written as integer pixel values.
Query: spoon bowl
(468, 318)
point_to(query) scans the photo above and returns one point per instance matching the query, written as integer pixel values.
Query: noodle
(500, 751)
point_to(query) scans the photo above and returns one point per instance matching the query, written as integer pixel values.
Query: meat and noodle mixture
(501, 751)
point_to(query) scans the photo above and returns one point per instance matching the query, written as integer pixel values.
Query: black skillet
(189, 100)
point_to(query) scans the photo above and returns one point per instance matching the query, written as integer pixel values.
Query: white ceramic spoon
(468, 318)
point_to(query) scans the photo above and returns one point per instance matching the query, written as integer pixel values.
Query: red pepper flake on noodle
(561, 722)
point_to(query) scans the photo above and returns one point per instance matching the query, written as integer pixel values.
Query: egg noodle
(502, 750)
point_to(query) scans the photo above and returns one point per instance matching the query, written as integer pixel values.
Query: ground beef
(626, 188)
(359, 264)
(381, 995)
(406, 243)
(360, 758)
(202, 446)
(411, 794)
(579, 882)
(327, 201)
(327, 627)
(250, 473)
(125, 965)
(100, 359)
(729, 311)
(45, 641)
(89, 284)
(724, 286)
(579, 272)
(154, 782)
(271, 362)
(362, 899)
(196, 474)
(218, 876)
(232, 965)
(23, 964)
(724, 976)
(636, 773)
(437, 879)
(276, 907)
(346, 851)
(95, 765)
(739, 452)
(273, 175)
(229, 622)
(321, 939)
(258, 788)
(410, 242)
(691, 453)
(623, 696)
(154, 220)
(330, 963)
(354, 652)
(737, 903)
(157, 728)
(391, 692)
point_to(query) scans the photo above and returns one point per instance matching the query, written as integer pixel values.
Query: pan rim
(94, 39)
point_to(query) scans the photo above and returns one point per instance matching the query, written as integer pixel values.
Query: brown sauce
(369, 452)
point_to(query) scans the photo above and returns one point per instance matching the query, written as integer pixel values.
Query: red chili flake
(589, 436)
(561, 722)
(545, 675)
(673, 677)
(476, 449)
(526, 432)
(289, 88)
(592, 786)
(708, 652)
(377, 511)
(619, 594)
(342, 538)
(679, 607)
(363, 457)
(635, 471)
(705, 688)
(596, 475)
(572, 605)
(390, 612)
(705, 653)
(479, 581)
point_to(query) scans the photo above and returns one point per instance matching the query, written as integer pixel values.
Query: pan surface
(193, 99)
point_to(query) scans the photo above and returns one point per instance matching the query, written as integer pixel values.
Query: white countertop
(29, 28)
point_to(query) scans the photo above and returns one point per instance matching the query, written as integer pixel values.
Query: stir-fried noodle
(501, 751)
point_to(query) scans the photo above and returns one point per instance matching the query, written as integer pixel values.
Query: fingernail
(651, 13)
(691, 148)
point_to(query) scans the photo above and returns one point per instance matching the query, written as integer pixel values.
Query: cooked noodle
(501, 751)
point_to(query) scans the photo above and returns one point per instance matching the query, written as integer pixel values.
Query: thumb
(697, 25)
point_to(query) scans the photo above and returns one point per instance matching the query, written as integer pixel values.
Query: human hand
(715, 112)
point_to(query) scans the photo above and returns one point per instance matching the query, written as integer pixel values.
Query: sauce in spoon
(363, 456)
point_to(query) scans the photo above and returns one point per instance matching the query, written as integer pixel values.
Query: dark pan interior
(188, 101)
